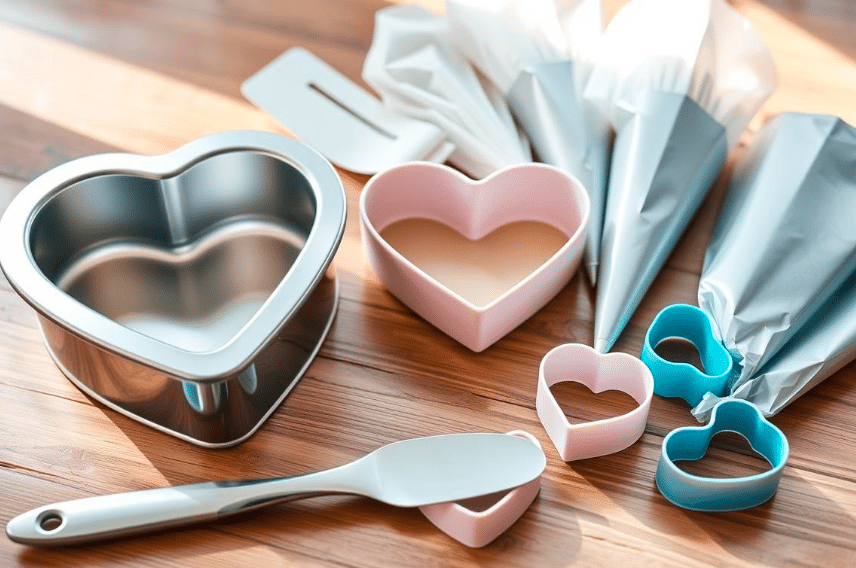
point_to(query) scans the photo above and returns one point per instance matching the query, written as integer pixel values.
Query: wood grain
(86, 76)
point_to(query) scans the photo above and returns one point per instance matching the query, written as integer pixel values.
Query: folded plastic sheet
(779, 277)
(416, 70)
(541, 59)
(679, 81)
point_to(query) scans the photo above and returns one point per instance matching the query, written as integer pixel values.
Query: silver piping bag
(679, 82)
(779, 278)
(416, 70)
(541, 60)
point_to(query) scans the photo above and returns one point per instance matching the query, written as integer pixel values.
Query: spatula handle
(123, 514)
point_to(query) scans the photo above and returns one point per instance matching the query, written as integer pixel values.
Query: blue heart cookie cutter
(722, 494)
(673, 379)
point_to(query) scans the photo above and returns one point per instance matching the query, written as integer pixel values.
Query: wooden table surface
(84, 76)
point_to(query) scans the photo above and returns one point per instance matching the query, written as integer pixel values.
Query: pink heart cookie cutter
(474, 209)
(599, 372)
(476, 528)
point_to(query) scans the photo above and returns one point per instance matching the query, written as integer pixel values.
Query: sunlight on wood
(633, 523)
(800, 89)
(843, 503)
(117, 109)
(261, 555)
(704, 547)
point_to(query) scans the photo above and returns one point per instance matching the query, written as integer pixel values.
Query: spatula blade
(452, 467)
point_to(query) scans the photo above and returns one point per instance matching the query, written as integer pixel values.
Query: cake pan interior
(186, 260)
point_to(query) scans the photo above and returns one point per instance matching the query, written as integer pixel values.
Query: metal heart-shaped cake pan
(190, 290)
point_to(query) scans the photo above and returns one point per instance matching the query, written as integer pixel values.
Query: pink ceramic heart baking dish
(514, 208)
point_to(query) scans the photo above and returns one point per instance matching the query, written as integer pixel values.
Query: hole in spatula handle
(50, 521)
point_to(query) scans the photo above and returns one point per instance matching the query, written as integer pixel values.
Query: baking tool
(778, 274)
(822, 346)
(722, 494)
(679, 81)
(188, 291)
(338, 118)
(678, 379)
(778, 284)
(417, 71)
(541, 59)
(528, 192)
(599, 372)
(410, 473)
(478, 528)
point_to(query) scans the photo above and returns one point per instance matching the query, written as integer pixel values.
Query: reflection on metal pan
(190, 290)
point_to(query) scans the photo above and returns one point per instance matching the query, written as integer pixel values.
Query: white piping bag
(679, 80)
(541, 60)
(779, 278)
(416, 70)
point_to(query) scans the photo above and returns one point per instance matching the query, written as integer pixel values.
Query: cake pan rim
(45, 297)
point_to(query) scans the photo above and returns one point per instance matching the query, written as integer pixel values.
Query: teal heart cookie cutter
(674, 379)
(722, 494)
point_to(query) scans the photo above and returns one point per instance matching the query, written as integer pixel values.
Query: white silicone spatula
(410, 473)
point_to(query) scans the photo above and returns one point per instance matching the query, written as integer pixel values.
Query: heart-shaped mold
(536, 194)
(599, 372)
(479, 526)
(188, 290)
(678, 379)
(722, 494)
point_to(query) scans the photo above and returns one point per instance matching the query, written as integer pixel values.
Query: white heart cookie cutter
(599, 372)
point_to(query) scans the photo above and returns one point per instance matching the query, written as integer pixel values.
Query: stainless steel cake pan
(190, 290)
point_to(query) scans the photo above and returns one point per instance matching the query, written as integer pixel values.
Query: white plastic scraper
(353, 129)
